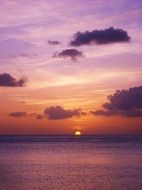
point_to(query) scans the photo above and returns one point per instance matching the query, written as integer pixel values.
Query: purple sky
(86, 81)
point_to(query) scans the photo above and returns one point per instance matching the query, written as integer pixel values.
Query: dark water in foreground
(70, 163)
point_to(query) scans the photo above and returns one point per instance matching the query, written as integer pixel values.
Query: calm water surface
(70, 163)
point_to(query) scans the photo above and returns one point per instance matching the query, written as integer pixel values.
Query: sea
(71, 162)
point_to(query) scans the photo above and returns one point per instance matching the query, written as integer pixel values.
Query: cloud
(106, 36)
(52, 113)
(53, 42)
(23, 55)
(37, 116)
(127, 103)
(8, 81)
(102, 112)
(24, 114)
(71, 53)
(18, 114)
(59, 112)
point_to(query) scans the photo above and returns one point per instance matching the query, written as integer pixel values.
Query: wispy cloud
(53, 42)
(23, 55)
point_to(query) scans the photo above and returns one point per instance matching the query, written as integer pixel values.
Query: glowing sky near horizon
(61, 91)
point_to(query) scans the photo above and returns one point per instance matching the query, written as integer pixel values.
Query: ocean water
(70, 163)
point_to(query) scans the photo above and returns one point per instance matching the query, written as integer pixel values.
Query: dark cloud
(37, 115)
(9, 81)
(71, 53)
(18, 114)
(53, 42)
(59, 112)
(102, 112)
(52, 113)
(106, 36)
(24, 114)
(127, 103)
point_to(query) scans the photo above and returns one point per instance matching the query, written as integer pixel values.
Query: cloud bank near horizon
(126, 103)
(58, 112)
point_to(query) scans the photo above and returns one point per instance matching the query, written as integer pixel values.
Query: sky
(70, 65)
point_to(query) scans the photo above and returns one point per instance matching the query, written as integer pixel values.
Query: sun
(77, 133)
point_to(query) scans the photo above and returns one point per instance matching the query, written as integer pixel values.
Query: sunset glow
(77, 133)
(62, 64)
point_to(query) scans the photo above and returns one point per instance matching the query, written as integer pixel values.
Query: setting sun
(77, 133)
